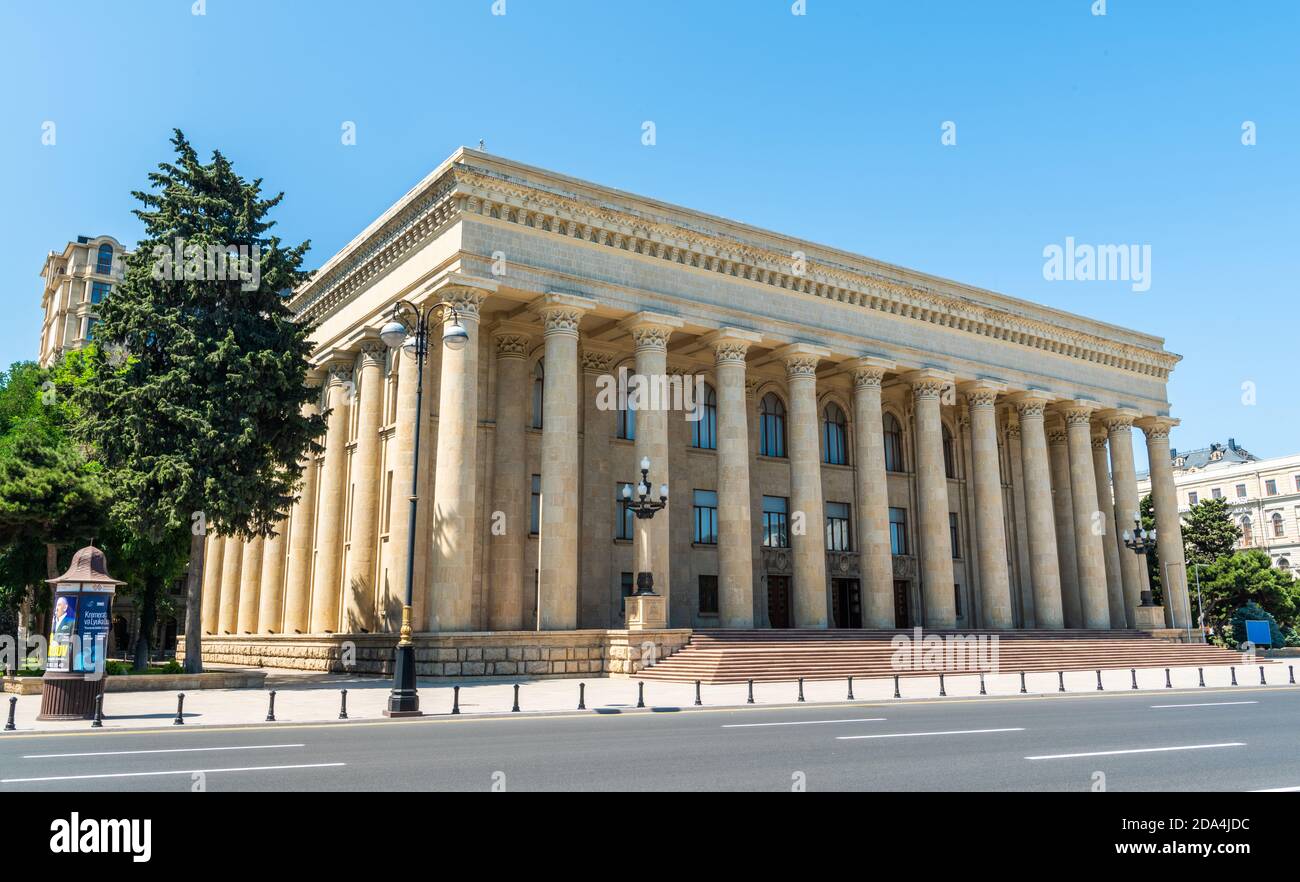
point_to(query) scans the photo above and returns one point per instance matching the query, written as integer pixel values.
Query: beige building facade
(846, 443)
(76, 280)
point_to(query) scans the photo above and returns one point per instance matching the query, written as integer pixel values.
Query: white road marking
(1206, 704)
(174, 772)
(917, 734)
(1138, 750)
(800, 723)
(169, 750)
(1277, 790)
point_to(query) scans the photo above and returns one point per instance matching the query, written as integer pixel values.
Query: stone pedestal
(645, 612)
(1149, 618)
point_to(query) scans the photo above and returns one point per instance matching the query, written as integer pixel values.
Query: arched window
(834, 435)
(1246, 538)
(1277, 525)
(1283, 564)
(704, 431)
(539, 386)
(771, 423)
(104, 259)
(949, 454)
(893, 444)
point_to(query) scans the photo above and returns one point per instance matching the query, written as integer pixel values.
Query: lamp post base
(404, 700)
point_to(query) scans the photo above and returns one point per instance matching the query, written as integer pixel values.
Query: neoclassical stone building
(875, 447)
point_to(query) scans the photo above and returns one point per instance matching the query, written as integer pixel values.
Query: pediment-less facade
(874, 447)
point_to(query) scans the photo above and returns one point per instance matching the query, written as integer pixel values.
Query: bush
(1252, 611)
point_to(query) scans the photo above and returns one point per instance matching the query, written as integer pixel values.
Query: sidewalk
(314, 697)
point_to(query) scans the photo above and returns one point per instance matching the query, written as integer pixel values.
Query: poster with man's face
(62, 627)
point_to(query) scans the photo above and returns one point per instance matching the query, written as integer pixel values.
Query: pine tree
(1208, 532)
(196, 404)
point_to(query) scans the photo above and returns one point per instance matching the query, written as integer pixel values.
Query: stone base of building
(615, 653)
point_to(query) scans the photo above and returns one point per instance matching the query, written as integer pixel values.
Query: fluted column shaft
(327, 574)
(455, 475)
(561, 480)
(1089, 533)
(359, 594)
(1058, 450)
(1110, 549)
(600, 601)
(937, 582)
(302, 538)
(509, 484)
(1044, 562)
(809, 544)
(212, 583)
(1020, 524)
(1169, 528)
(232, 560)
(270, 613)
(990, 532)
(1119, 427)
(250, 586)
(875, 557)
(735, 544)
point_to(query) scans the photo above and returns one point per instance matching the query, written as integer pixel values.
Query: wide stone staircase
(771, 655)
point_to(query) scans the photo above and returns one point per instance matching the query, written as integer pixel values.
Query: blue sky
(1124, 129)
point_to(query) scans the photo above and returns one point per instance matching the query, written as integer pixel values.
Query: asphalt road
(1208, 739)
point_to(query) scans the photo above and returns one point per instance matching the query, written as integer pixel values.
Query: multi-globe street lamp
(641, 505)
(1141, 541)
(409, 330)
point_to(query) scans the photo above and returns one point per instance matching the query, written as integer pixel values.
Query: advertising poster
(62, 628)
(92, 632)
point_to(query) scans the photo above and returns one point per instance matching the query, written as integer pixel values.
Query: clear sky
(1116, 129)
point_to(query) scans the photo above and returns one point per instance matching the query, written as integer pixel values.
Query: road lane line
(173, 772)
(1277, 790)
(1206, 704)
(800, 723)
(1138, 750)
(166, 750)
(916, 734)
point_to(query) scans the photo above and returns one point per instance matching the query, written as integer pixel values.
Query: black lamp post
(1141, 541)
(641, 505)
(409, 330)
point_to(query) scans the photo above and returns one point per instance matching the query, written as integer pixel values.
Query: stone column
(302, 536)
(875, 557)
(1089, 535)
(1169, 528)
(362, 523)
(1020, 523)
(232, 560)
(212, 583)
(932, 501)
(326, 582)
(561, 479)
(596, 593)
(735, 545)
(652, 552)
(270, 613)
(1110, 548)
(456, 467)
(990, 530)
(1119, 427)
(1063, 508)
(250, 585)
(509, 480)
(808, 547)
(1044, 562)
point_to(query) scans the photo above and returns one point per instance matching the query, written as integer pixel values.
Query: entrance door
(902, 617)
(846, 603)
(778, 601)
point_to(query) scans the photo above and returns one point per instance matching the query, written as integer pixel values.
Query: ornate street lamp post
(1141, 541)
(645, 508)
(409, 330)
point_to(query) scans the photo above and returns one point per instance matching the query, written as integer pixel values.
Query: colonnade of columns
(321, 571)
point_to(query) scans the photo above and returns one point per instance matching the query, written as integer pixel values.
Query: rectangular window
(1191, 498)
(1217, 493)
(775, 522)
(1270, 487)
(535, 508)
(708, 595)
(706, 517)
(623, 529)
(898, 531)
(388, 503)
(1297, 482)
(956, 597)
(838, 530)
(625, 582)
(90, 328)
(1241, 491)
(98, 291)
(952, 535)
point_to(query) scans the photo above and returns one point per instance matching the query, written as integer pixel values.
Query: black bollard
(1060, 679)
(270, 707)
(1234, 675)
(850, 696)
(1134, 672)
(897, 694)
(1200, 676)
(13, 708)
(1099, 689)
(1023, 690)
(640, 694)
(1169, 684)
(1290, 674)
(801, 688)
(982, 692)
(180, 710)
(698, 703)
(455, 699)
(343, 704)
(515, 709)
(582, 696)
(1262, 681)
(98, 721)
(750, 699)
(942, 692)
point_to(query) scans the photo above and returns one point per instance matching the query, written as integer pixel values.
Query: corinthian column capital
(651, 330)
(929, 383)
(464, 293)
(561, 313)
(731, 345)
(1077, 412)
(869, 372)
(1157, 428)
(982, 393)
(801, 359)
